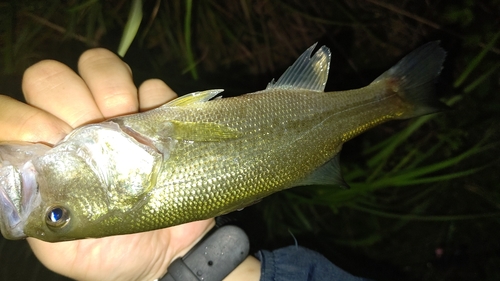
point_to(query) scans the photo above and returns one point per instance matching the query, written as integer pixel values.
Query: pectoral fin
(196, 131)
(328, 174)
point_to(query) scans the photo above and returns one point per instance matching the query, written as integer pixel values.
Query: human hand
(60, 100)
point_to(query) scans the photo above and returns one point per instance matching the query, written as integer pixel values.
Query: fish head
(71, 195)
(85, 185)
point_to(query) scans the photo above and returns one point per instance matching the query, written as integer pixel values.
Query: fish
(200, 156)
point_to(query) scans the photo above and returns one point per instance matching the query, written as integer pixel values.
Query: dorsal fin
(307, 72)
(195, 97)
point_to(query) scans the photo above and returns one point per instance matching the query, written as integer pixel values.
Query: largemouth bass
(198, 156)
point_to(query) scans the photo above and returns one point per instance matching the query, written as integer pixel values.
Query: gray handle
(213, 258)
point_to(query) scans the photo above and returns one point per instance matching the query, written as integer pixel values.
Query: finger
(153, 93)
(110, 82)
(21, 122)
(55, 88)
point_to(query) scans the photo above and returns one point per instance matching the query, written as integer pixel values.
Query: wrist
(248, 270)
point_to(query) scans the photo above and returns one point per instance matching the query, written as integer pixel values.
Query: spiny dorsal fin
(193, 98)
(309, 73)
(328, 174)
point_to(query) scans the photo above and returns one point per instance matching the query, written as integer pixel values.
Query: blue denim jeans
(294, 263)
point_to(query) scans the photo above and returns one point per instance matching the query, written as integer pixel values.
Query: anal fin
(327, 174)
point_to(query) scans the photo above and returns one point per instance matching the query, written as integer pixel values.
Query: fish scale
(243, 188)
(197, 156)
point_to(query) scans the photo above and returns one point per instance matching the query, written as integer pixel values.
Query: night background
(424, 202)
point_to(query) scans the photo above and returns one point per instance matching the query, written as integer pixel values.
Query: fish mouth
(19, 193)
(10, 213)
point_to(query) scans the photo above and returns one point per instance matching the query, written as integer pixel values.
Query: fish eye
(57, 216)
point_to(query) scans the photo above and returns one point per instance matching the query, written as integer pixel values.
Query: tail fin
(414, 77)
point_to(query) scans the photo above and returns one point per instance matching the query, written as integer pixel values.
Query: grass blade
(422, 218)
(187, 37)
(130, 30)
(481, 79)
(475, 62)
(395, 141)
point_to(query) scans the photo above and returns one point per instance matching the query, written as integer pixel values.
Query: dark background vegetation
(425, 198)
